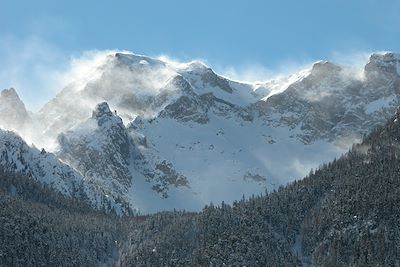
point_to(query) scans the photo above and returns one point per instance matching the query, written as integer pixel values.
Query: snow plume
(353, 63)
(83, 68)
(258, 73)
(177, 64)
(355, 59)
(39, 70)
(31, 66)
(126, 70)
(127, 82)
(251, 73)
(267, 81)
(78, 83)
(144, 75)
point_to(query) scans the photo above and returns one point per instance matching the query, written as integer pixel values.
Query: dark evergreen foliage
(40, 227)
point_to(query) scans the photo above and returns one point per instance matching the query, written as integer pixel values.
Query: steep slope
(112, 159)
(344, 214)
(99, 150)
(17, 157)
(224, 155)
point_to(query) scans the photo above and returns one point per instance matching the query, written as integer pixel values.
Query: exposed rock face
(188, 107)
(105, 153)
(146, 161)
(100, 150)
(330, 103)
(198, 72)
(387, 66)
(168, 177)
(192, 107)
(324, 69)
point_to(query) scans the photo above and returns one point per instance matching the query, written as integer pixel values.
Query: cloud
(255, 73)
(354, 62)
(30, 65)
(38, 70)
(355, 59)
(250, 73)
(82, 68)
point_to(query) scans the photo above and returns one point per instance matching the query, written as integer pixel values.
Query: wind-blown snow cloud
(31, 66)
(353, 62)
(83, 67)
(249, 73)
(255, 73)
(39, 70)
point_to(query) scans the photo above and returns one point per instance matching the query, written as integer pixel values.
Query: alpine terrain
(346, 213)
(139, 134)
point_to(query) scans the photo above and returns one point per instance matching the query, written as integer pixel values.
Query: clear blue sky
(224, 32)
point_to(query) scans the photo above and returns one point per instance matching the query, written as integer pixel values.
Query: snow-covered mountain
(17, 157)
(161, 135)
(110, 156)
(335, 104)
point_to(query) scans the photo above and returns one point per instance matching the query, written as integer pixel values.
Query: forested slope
(40, 227)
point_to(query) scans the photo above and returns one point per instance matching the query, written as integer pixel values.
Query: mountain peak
(129, 59)
(104, 116)
(9, 93)
(383, 63)
(197, 65)
(324, 68)
(101, 110)
(13, 114)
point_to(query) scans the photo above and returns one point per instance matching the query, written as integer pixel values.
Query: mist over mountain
(155, 135)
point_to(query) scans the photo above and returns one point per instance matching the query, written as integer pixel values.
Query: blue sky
(38, 36)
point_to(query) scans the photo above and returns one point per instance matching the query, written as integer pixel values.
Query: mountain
(13, 114)
(180, 135)
(344, 214)
(108, 155)
(16, 157)
(334, 104)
